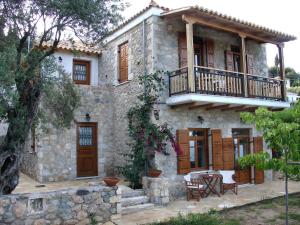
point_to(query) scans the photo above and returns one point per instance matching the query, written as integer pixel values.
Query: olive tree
(27, 67)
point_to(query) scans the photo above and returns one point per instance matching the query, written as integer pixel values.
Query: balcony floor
(226, 101)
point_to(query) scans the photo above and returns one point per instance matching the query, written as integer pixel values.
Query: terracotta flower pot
(111, 181)
(154, 173)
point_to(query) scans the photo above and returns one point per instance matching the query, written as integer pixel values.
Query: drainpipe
(144, 52)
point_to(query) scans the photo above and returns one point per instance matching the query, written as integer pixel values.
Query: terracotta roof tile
(77, 46)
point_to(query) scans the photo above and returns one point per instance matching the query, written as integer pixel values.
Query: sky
(276, 14)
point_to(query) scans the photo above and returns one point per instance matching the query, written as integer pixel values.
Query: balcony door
(198, 149)
(241, 141)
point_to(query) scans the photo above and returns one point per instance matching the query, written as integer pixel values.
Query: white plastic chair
(228, 182)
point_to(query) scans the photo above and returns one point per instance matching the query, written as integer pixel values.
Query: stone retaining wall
(162, 190)
(92, 205)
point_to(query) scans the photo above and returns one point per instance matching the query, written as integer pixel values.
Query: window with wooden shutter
(258, 147)
(123, 62)
(229, 60)
(250, 64)
(210, 53)
(182, 50)
(228, 153)
(217, 151)
(81, 72)
(183, 160)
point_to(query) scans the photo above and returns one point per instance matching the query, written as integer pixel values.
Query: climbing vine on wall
(146, 136)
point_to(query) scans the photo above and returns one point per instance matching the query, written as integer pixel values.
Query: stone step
(133, 193)
(134, 201)
(136, 208)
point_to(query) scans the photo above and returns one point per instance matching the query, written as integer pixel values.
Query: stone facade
(107, 101)
(73, 206)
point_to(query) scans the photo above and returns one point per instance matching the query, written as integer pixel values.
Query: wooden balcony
(221, 83)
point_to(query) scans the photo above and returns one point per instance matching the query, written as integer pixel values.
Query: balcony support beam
(190, 56)
(282, 70)
(243, 63)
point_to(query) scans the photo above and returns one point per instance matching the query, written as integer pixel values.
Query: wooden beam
(190, 55)
(201, 106)
(282, 69)
(243, 63)
(218, 26)
(217, 107)
(248, 109)
(234, 108)
(276, 109)
(182, 105)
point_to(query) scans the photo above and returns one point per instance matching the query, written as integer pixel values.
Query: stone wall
(73, 206)
(125, 94)
(55, 155)
(166, 43)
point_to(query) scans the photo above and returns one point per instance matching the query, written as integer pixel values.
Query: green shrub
(199, 219)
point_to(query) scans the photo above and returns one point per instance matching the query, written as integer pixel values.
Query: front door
(198, 149)
(241, 140)
(87, 160)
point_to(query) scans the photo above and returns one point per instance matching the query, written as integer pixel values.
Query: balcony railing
(227, 83)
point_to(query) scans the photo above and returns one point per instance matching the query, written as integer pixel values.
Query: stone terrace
(247, 194)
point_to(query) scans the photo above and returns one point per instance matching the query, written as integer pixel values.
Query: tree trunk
(12, 147)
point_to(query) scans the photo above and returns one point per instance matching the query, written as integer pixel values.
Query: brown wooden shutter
(228, 153)
(216, 137)
(123, 62)
(250, 64)
(258, 147)
(229, 60)
(182, 50)
(183, 166)
(210, 53)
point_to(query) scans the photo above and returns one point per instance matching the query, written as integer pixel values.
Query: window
(198, 149)
(81, 72)
(241, 141)
(123, 62)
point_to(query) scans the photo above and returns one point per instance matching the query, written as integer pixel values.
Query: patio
(247, 194)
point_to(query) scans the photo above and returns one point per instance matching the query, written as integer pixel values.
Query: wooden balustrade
(262, 87)
(222, 82)
(218, 82)
(178, 81)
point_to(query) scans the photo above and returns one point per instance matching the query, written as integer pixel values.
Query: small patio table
(211, 181)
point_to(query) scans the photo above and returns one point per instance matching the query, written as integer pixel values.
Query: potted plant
(111, 181)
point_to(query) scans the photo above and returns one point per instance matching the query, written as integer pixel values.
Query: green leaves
(146, 136)
(281, 131)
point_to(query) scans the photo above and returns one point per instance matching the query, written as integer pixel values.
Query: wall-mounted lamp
(87, 117)
(200, 119)
(60, 59)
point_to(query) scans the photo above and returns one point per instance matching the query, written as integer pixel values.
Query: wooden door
(242, 148)
(217, 149)
(87, 159)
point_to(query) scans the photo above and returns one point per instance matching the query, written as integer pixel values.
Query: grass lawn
(269, 212)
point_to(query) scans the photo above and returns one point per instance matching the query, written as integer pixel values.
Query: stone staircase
(134, 201)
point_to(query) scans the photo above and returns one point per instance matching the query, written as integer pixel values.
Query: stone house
(218, 69)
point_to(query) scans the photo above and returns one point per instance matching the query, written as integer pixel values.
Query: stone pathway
(247, 194)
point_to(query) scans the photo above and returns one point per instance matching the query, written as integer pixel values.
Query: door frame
(95, 140)
(206, 146)
(242, 173)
